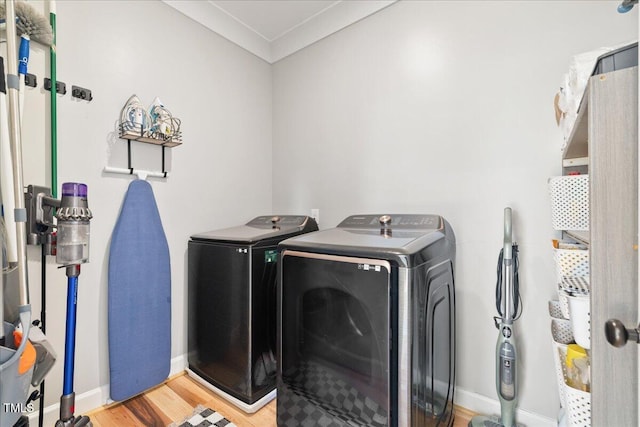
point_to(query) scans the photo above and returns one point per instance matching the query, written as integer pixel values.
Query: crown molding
(331, 20)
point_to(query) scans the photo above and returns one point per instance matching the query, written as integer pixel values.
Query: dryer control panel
(279, 220)
(398, 222)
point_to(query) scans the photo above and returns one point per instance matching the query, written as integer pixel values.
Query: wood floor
(175, 399)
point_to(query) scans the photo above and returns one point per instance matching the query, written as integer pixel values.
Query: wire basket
(570, 202)
(132, 131)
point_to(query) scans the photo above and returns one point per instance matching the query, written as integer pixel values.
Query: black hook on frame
(81, 93)
(61, 87)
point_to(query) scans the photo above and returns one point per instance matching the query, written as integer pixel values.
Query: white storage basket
(580, 315)
(561, 331)
(558, 350)
(563, 301)
(570, 202)
(555, 311)
(578, 407)
(576, 285)
(577, 402)
(571, 263)
(561, 335)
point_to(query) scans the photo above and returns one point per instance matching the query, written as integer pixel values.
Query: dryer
(366, 322)
(232, 307)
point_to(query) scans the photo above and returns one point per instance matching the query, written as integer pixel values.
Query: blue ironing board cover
(139, 296)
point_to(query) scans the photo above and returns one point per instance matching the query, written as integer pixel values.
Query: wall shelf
(128, 131)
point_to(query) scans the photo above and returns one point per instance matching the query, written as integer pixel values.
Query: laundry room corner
(447, 108)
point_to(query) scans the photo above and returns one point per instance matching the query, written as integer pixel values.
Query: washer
(366, 322)
(231, 307)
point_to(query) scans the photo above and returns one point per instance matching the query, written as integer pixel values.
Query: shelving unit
(577, 146)
(613, 159)
(604, 144)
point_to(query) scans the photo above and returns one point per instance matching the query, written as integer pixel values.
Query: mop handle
(507, 267)
(15, 138)
(508, 238)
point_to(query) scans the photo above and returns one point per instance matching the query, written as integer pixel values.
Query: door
(613, 169)
(334, 321)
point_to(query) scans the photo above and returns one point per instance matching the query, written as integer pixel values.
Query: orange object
(28, 357)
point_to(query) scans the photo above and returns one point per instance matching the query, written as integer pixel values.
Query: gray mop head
(31, 23)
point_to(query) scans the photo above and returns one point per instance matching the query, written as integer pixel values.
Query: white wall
(220, 176)
(441, 107)
(445, 107)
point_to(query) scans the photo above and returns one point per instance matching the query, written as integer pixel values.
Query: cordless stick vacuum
(73, 216)
(509, 310)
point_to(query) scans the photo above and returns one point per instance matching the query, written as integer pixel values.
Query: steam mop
(509, 309)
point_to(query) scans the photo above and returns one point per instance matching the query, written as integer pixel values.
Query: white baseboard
(94, 399)
(178, 364)
(484, 405)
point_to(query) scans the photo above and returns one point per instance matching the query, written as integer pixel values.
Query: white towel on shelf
(573, 86)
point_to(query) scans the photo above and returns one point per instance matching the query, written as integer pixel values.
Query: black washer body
(232, 307)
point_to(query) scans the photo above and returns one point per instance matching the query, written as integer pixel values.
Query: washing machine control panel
(403, 222)
(279, 220)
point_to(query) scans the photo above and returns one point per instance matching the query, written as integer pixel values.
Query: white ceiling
(274, 29)
(273, 19)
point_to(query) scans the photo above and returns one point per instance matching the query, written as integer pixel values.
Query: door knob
(618, 335)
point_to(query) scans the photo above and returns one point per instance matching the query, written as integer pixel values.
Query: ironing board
(139, 296)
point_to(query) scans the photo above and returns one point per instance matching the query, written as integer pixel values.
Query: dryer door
(334, 341)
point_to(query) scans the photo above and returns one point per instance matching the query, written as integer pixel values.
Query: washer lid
(262, 228)
(376, 235)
